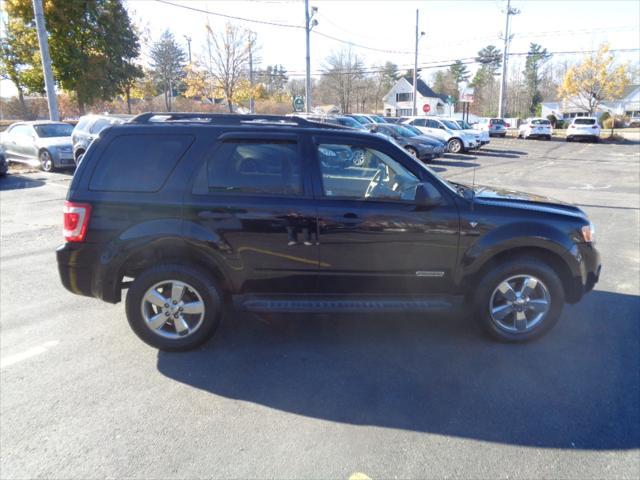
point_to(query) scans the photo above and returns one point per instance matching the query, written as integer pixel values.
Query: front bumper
(589, 270)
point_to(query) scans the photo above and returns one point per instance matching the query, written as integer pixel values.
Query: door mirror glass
(427, 195)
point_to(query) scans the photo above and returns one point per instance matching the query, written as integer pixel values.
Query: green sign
(298, 104)
(449, 99)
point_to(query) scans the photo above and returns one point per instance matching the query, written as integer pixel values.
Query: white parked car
(535, 128)
(482, 136)
(457, 140)
(584, 127)
(496, 127)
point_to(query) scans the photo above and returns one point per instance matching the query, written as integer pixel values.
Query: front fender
(515, 236)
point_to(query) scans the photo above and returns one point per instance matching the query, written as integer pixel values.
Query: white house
(398, 102)
(628, 105)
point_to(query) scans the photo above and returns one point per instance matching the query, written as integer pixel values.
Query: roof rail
(228, 119)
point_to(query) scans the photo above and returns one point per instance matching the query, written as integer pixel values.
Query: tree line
(96, 56)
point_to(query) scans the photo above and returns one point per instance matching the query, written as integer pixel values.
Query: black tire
(46, 161)
(412, 151)
(569, 139)
(548, 137)
(78, 157)
(206, 288)
(481, 302)
(455, 146)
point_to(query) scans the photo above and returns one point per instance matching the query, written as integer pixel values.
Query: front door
(374, 238)
(255, 207)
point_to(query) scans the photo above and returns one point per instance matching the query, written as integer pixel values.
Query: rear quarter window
(138, 163)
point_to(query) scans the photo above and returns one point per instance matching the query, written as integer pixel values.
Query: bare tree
(227, 60)
(341, 72)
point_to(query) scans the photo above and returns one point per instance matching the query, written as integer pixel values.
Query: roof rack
(227, 119)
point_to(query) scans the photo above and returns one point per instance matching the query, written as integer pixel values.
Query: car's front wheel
(46, 161)
(174, 307)
(455, 145)
(412, 151)
(518, 300)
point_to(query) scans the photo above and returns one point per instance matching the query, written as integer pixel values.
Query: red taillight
(75, 221)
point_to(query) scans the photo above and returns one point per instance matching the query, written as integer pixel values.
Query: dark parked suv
(188, 211)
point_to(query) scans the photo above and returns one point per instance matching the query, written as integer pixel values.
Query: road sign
(298, 104)
(426, 108)
(467, 95)
(449, 99)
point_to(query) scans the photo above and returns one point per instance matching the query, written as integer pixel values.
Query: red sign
(426, 108)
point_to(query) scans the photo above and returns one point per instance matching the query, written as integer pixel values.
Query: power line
(357, 45)
(232, 17)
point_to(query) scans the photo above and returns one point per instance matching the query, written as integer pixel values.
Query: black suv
(188, 211)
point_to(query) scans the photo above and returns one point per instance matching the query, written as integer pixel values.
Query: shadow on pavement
(489, 152)
(576, 388)
(464, 161)
(17, 182)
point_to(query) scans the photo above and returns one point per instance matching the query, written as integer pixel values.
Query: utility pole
(251, 100)
(505, 56)
(49, 83)
(415, 65)
(309, 23)
(188, 39)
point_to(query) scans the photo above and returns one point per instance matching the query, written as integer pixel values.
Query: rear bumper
(82, 273)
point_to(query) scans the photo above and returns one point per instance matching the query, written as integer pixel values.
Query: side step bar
(293, 304)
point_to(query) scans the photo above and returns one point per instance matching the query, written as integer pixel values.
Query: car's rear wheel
(455, 145)
(46, 161)
(518, 300)
(174, 307)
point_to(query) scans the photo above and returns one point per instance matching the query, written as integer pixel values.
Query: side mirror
(427, 195)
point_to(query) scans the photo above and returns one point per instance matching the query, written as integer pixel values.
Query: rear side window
(138, 163)
(99, 125)
(82, 123)
(585, 121)
(260, 166)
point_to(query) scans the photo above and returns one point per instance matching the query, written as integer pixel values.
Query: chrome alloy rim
(173, 309)
(519, 304)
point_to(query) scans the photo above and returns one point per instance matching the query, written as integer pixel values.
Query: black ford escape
(279, 214)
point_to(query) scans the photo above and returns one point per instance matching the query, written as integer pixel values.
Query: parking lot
(329, 396)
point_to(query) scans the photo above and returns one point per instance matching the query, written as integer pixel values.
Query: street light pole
(505, 56)
(188, 39)
(251, 100)
(49, 83)
(415, 67)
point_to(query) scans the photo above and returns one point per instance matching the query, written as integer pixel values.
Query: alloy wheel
(173, 309)
(46, 162)
(519, 304)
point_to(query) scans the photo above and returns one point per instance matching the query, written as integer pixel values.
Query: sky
(453, 29)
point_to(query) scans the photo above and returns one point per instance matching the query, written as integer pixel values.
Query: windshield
(413, 129)
(585, 121)
(451, 125)
(403, 131)
(540, 121)
(349, 122)
(53, 130)
(464, 124)
(360, 119)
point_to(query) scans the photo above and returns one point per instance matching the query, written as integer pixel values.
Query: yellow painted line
(359, 476)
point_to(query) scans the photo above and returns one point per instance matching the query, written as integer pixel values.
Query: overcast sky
(454, 29)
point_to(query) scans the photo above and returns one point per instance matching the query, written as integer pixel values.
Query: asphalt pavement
(342, 397)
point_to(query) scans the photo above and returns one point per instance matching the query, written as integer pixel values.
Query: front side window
(99, 125)
(54, 130)
(361, 173)
(262, 166)
(433, 124)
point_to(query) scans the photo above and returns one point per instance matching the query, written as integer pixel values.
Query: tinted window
(433, 124)
(540, 121)
(585, 121)
(99, 125)
(420, 122)
(138, 163)
(54, 130)
(496, 121)
(82, 123)
(262, 166)
(364, 173)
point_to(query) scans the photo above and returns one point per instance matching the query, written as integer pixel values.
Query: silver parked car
(42, 143)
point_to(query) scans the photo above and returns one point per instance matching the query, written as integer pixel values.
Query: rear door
(374, 239)
(254, 203)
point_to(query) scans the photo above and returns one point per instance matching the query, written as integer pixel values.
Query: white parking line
(32, 352)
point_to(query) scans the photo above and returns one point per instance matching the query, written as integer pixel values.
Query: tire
(412, 151)
(548, 137)
(569, 139)
(78, 157)
(200, 291)
(488, 297)
(455, 146)
(46, 161)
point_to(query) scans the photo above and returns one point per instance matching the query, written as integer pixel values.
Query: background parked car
(496, 127)
(584, 128)
(449, 131)
(363, 119)
(88, 128)
(42, 143)
(482, 136)
(535, 128)
(435, 141)
(416, 145)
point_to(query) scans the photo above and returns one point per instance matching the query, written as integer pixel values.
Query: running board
(293, 304)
